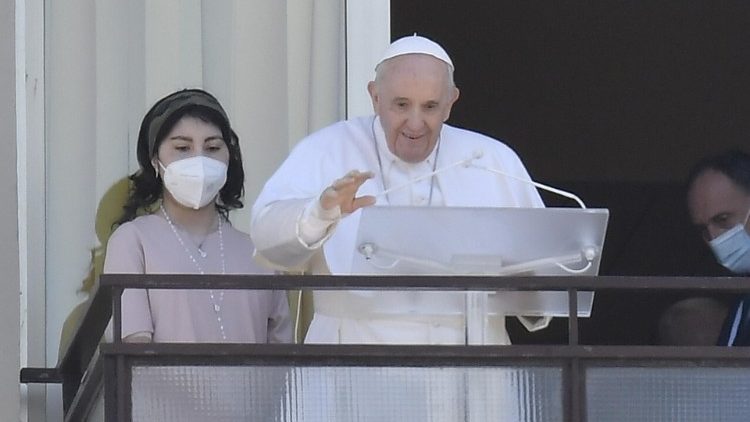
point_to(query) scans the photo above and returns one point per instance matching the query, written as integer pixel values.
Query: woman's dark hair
(734, 164)
(146, 187)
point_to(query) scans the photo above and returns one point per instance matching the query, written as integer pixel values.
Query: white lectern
(407, 240)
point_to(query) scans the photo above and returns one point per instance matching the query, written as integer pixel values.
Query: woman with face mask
(175, 222)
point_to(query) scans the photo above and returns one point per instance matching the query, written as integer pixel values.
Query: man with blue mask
(718, 199)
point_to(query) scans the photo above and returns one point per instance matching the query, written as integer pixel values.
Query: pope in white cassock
(307, 215)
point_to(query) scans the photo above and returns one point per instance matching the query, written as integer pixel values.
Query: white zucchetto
(415, 44)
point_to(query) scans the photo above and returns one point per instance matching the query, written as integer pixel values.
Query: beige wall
(9, 302)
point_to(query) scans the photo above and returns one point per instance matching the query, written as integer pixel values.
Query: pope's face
(412, 96)
(716, 204)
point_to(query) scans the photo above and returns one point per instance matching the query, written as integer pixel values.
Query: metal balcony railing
(570, 382)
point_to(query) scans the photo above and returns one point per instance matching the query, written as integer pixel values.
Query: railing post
(575, 379)
(117, 315)
(110, 388)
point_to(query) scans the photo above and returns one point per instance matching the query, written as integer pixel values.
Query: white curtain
(277, 67)
(316, 57)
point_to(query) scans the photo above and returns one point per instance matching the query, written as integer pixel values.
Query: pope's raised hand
(343, 193)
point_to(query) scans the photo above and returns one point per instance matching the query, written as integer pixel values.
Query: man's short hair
(735, 164)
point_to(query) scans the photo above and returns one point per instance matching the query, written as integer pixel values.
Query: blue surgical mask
(732, 249)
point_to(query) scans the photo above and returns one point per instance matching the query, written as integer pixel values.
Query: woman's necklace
(380, 165)
(216, 303)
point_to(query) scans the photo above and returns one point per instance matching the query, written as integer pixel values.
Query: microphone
(469, 162)
(465, 162)
(566, 194)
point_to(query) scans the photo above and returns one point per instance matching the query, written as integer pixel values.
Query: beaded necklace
(216, 303)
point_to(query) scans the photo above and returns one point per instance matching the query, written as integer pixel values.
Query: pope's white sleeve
(316, 224)
(288, 233)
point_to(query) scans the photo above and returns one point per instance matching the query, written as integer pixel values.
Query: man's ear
(452, 100)
(372, 88)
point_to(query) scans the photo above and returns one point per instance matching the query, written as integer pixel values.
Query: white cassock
(359, 144)
(344, 316)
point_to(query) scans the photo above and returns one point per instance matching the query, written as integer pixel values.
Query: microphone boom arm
(425, 176)
(470, 162)
(537, 184)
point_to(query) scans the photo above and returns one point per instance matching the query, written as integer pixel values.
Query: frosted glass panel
(668, 394)
(206, 394)
(347, 394)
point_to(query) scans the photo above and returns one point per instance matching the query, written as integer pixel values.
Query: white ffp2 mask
(194, 182)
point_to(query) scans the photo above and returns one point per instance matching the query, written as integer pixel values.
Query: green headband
(174, 103)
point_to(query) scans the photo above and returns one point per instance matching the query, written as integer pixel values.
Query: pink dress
(147, 245)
